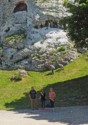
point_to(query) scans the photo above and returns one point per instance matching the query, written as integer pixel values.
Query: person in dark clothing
(52, 68)
(32, 96)
(42, 98)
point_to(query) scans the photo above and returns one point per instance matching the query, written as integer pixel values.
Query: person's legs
(32, 104)
(52, 71)
(52, 103)
(35, 104)
(43, 103)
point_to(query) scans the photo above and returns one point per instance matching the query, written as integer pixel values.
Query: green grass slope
(70, 85)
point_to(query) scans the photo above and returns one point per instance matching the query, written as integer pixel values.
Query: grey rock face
(21, 55)
(44, 41)
(20, 17)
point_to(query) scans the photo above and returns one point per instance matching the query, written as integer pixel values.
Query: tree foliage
(78, 23)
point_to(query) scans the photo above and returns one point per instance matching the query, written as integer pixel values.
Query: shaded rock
(25, 53)
(9, 52)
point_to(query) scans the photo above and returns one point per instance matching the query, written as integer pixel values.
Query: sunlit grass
(13, 92)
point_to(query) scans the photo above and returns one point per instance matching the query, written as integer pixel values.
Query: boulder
(23, 72)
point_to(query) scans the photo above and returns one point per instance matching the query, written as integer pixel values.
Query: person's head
(32, 88)
(51, 89)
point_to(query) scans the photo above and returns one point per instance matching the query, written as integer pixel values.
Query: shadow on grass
(69, 93)
(50, 73)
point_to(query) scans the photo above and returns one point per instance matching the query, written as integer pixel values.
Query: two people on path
(42, 98)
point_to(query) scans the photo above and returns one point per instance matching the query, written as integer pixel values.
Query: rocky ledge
(33, 39)
(44, 47)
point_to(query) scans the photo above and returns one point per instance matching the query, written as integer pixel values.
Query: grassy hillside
(70, 84)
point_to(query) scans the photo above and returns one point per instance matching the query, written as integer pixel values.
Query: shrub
(1, 49)
(16, 37)
(62, 48)
(16, 77)
(65, 2)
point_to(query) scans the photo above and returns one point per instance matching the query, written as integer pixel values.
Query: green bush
(44, 0)
(65, 2)
(16, 77)
(1, 49)
(62, 48)
(16, 37)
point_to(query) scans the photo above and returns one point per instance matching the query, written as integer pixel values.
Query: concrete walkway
(60, 116)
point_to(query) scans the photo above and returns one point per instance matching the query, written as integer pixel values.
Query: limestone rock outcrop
(31, 36)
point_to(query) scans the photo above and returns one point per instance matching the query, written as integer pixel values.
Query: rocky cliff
(31, 36)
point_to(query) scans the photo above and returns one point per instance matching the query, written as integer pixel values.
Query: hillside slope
(70, 84)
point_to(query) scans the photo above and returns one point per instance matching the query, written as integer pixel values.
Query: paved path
(60, 116)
